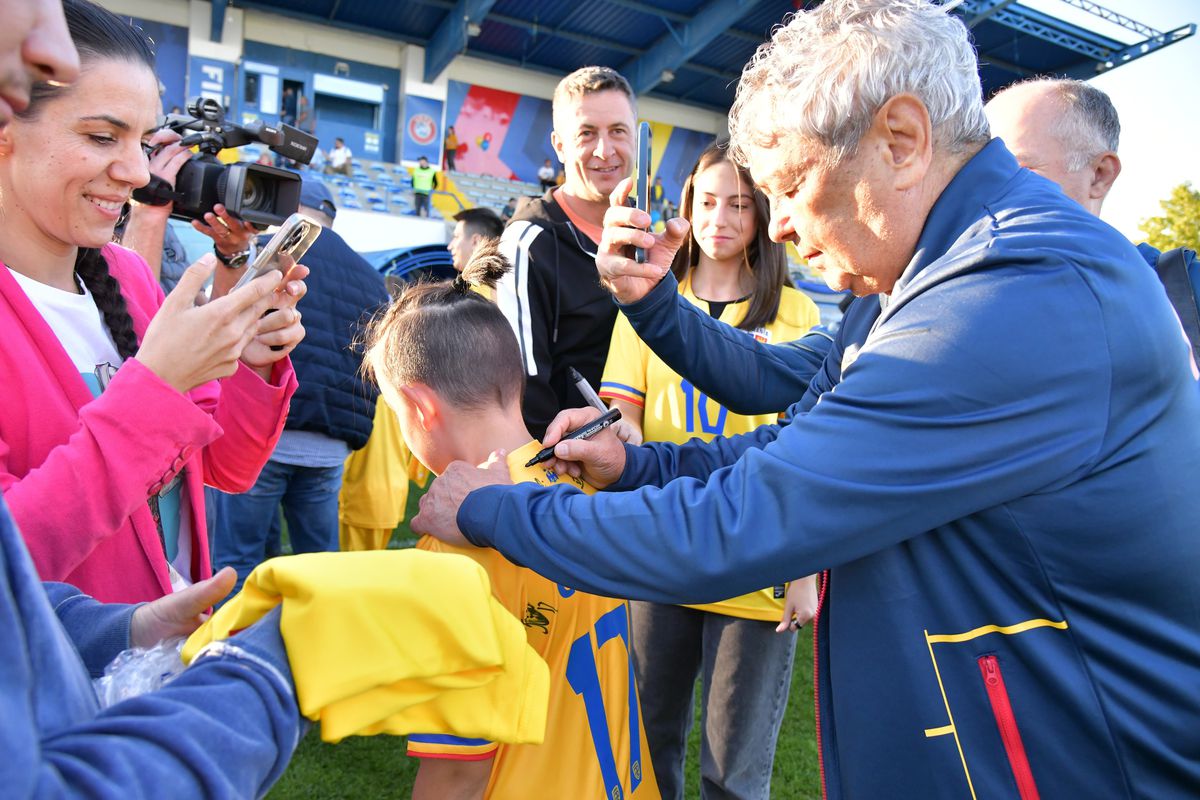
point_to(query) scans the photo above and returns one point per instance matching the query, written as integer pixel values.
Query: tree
(1179, 225)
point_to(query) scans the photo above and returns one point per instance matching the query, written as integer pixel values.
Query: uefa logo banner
(422, 129)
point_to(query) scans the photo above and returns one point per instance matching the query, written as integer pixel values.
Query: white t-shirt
(339, 156)
(546, 173)
(75, 320)
(79, 326)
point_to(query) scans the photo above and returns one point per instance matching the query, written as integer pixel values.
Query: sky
(1158, 99)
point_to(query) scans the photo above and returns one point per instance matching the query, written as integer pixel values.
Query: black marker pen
(586, 432)
(585, 389)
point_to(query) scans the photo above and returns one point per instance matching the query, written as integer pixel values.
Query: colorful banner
(508, 135)
(422, 129)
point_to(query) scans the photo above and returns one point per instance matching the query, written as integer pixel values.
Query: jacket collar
(962, 206)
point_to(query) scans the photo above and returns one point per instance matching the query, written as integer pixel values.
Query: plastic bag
(139, 670)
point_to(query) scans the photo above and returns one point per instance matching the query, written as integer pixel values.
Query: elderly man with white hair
(998, 469)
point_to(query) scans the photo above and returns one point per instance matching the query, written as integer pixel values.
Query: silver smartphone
(293, 238)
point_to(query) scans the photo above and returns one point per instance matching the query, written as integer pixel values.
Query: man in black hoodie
(553, 299)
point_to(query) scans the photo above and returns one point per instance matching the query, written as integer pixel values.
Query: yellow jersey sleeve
(624, 375)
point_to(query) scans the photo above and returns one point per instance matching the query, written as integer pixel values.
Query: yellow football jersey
(675, 411)
(595, 745)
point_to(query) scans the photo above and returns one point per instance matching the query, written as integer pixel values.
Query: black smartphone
(641, 184)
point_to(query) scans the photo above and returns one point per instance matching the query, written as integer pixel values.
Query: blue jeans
(747, 671)
(247, 523)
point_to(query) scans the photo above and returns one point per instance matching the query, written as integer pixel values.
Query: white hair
(826, 72)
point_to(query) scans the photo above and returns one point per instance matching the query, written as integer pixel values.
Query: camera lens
(293, 240)
(254, 193)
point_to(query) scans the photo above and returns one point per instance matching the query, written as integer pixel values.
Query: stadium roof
(692, 51)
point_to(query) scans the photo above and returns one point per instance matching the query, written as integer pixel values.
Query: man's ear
(903, 129)
(425, 405)
(5, 140)
(1104, 174)
(557, 143)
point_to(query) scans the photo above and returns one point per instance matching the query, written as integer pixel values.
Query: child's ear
(424, 403)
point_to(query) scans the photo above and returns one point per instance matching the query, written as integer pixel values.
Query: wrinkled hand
(625, 278)
(189, 344)
(599, 460)
(438, 515)
(230, 235)
(281, 327)
(799, 604)
(180, 613)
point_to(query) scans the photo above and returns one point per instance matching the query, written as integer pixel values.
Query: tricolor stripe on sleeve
(619, 391)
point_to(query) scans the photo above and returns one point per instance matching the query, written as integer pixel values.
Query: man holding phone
(331, 413)
(561, 315)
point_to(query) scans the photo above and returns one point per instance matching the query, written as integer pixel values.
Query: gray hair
(825, 74)
(1089, 125)
(590, 80)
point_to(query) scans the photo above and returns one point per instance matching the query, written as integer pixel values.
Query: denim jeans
(746, 669)
(247, 523)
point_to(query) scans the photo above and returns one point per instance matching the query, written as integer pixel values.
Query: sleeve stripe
(621, 387)
(514, 303)
(453, 756)
(615, 395)
(444, 738)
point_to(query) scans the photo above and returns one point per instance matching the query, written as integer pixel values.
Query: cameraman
(148, 233)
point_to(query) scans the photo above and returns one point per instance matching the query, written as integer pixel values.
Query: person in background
(288, 105)
(1068, 131)
(450, 148)
(331, 413)
(658, 196)
(425, 181)
(741, 648)
(340, 158)
(560, 314)
(509, 209)
(305, 120)
(545, 176)
(472, 226)
(107, 385)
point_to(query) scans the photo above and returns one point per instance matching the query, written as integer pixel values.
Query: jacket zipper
(816, 621)
(1006, 721)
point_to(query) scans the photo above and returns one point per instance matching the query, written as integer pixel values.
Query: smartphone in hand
(293, 238)
(641, 185)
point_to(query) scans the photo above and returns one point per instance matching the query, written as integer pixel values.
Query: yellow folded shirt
(394, 642)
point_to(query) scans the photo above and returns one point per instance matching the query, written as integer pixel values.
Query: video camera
(253, 192)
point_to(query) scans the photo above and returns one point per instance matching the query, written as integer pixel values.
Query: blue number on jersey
(700, 404)
(585, 681)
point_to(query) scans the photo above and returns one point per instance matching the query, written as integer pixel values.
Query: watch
(235, 261)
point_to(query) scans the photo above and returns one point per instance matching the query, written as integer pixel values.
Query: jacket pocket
(1006, 721)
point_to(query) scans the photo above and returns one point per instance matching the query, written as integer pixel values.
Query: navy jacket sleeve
(657, 463)
(99, 631)
(727, 364)
(923, 429)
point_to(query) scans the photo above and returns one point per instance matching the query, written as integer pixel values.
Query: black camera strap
(158, 192)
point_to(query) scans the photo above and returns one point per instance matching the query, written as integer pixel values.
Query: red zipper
(816, 621)
(1006, 721)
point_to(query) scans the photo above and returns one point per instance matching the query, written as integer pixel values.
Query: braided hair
(450, 338)
(99, 34)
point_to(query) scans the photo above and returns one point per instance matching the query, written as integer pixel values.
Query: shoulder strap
(1173, 272)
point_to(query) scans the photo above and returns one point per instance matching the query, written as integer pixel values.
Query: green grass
(377, 767)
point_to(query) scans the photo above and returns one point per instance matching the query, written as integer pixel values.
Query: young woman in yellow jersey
(730, 268)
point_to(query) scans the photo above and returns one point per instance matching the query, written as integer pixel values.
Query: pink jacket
(76, 470)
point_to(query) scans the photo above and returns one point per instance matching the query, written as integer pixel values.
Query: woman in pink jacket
(117, 405)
